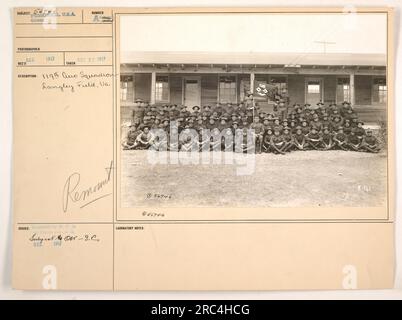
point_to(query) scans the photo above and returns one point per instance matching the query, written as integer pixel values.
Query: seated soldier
(349, 114)
(227, 139)
(132, 134)
(304, 127)
(277, 143)
(370, 143)
(359, 130)
(327, 142)
(336, 122)
(160, 142)
(216, 140)
(299, 139)
(287, 137)
(266, 145)
(222, 125)
(347, 127)
(293, 126)
(173, 137)
(277, 124)
(188, 144)
(353, 142)
(144, 139)
(313, 138)
(341, 139)
(245, 145)
(204, 136)
(316, 123)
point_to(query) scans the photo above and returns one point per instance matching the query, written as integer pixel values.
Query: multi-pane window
(126, 88)
(227, 89)
(313, 87)
(280, 83)
(343, 90)
(379, 90)
(162, 88)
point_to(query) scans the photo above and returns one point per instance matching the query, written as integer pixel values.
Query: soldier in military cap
(222, 125)
(258, 129)
(174, 112)
(234, 118)
(341, 139)
(316, 123)
(277, 124)
(299, 139)
(266, 145)
(204, 136)
(304, 127)
(359, 130)
(333, 109)
(144, 139)
(211, 124)
(129, 141)
(313, 138)
(347, 127)
(327, 142)
(370, 143)
(196, 110)
(336, 122)
(227, 139)
(288, 138)
(277, 143)
(353, 142)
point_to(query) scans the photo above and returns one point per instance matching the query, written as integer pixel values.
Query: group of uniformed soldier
(287, 128)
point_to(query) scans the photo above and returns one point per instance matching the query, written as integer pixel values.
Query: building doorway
(192, 91)
(314, 90)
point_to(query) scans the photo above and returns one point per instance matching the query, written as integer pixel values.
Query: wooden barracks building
(209, 78)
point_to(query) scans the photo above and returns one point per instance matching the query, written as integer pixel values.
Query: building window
(127, 88)
(379, 90)
(162, 89)
(313, 87)
(281, 84)
(227, 89)
(343, 90)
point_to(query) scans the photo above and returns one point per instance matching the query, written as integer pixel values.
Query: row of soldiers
(304, 127)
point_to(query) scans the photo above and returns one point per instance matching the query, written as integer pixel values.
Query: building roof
(244, 58)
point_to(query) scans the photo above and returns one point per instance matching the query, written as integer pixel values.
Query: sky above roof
(293, 33)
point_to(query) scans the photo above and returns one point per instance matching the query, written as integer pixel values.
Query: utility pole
(325, 43)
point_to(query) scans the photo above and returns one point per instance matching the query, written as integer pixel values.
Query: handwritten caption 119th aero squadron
(73, 81)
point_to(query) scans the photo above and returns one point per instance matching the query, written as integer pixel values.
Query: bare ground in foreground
(297, 179)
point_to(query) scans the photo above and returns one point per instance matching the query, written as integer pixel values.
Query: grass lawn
(310, 178)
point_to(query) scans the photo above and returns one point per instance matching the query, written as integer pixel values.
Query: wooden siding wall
(209, 89)
(142, 86)
(363, 89)
(176, 89)
(329, 89)
(296, 88)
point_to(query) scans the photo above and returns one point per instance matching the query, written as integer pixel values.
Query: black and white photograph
(253, 110)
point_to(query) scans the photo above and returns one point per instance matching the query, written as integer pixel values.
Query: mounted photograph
(266, 110)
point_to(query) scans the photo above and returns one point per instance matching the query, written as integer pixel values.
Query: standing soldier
(258, 131)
